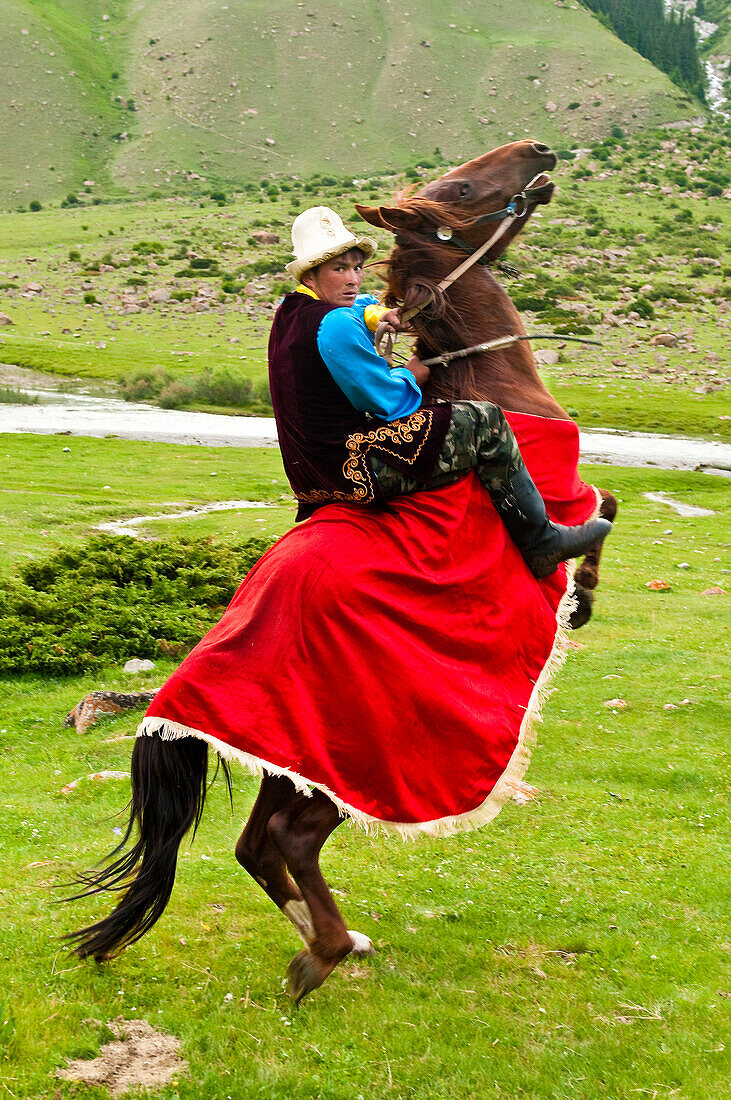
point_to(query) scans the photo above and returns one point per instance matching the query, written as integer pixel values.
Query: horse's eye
(465, 190)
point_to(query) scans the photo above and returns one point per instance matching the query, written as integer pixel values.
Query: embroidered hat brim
(318, 235)
(298, 267)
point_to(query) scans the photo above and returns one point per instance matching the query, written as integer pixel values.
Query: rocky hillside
(131, 97)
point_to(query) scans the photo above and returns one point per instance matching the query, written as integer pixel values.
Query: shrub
(198, 273)
(115, 598)
(9, 396)
(136, 280)
(221, 386)
(90, 299)
(74, 255)
(174, 395)
(144, 385)
(265, 267)
(34, 205)
(218, 196)
(148, 248)
(574, 105)
(644, 307)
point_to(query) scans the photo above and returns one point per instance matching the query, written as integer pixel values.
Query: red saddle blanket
(396, 660)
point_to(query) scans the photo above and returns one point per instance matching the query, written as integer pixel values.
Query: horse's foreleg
(586, 577)
(587, 574)
(258, 854)
(299, 831)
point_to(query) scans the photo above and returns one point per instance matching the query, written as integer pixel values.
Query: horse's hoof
(584, 602)
(361, 944)
(306, 972)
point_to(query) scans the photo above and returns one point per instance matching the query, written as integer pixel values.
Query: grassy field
(576, 948)
(127, 99)
(635, 245)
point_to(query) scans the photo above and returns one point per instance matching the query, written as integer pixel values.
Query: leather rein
(516, 208)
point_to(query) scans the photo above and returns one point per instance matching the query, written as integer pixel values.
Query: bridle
(517, 208)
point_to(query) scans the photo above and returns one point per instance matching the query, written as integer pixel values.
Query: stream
(78, 414)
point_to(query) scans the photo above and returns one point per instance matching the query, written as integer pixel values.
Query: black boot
(543, 544)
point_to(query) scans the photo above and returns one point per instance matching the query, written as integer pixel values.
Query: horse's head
(460, 199)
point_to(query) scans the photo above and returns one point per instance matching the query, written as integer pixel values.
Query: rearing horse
(434, 228)
(288, 825)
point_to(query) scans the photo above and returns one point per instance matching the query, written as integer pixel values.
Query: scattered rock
(615, 704)
(262, 237)
(96, 777)
(665, 340)
(546, 358)
(658, 586)
(34, 288)
(160, 295)
(135, 664)
(714, 590)
(5, 320)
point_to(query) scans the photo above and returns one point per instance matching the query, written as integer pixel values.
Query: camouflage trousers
(479, 438)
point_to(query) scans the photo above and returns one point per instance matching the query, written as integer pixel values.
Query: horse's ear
(370, 214)
(389, 217)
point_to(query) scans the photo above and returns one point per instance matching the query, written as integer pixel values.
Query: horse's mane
(474, 308)
(449, 321)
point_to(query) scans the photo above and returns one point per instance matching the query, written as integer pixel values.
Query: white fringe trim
(443, 826)
(503, 790)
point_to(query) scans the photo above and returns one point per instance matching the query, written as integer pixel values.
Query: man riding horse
(385, 662)
(352, 429)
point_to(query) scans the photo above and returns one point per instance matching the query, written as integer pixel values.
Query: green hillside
(144, 96)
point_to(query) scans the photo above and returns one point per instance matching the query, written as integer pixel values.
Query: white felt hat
(318, 234)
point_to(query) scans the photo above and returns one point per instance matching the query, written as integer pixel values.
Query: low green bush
(145, 385)
(175, 395)
(116, 598)
(222, 386)
(9, 396)
(148, 248)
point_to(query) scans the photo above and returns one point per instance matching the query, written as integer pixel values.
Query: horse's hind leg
(299, 831)
(258, 854)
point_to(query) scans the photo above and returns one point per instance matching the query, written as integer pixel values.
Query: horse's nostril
(538, 148)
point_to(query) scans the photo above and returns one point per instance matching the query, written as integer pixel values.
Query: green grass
(673, 243)
(217, 98)
(578, 947)
(52, 496)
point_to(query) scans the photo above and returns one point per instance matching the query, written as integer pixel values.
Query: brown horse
(281, 843)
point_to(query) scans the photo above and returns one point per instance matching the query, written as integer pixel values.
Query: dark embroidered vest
(325, 441)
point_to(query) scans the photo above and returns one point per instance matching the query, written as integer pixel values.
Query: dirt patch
(139, 1056)
(27, 379)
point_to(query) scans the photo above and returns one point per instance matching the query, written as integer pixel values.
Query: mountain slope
(135, 94)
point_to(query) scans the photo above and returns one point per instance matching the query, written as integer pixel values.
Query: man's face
(337, 281)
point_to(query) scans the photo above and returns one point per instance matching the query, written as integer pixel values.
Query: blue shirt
(346, 344)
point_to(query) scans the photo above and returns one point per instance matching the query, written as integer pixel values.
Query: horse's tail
(168, 795)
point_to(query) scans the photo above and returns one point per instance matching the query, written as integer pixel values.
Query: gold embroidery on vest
(356, 469)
